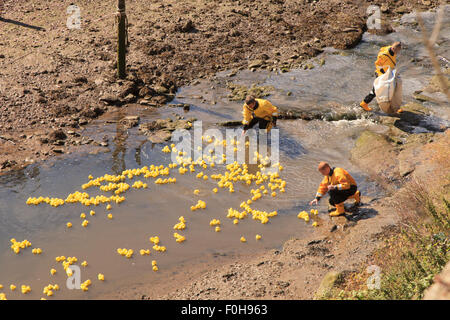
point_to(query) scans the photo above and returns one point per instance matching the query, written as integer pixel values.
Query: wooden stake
(121, 39)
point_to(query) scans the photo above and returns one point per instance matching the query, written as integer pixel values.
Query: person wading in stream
(258, 111)
(387, 57)
(340, 185)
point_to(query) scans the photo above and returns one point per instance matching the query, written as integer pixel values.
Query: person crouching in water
(340, 185)
(387, 58)
(259, 111)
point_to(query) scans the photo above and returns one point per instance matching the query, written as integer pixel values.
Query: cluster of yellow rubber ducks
(200, 205)
(118, 188)
(305, 216)
(25, 289)
(154, 266)
(66, 263)
(85, 285)
(181, 225)
(16, 246)
(54, 202)
(155, 240)
(36, 251)
(125, 252)
(144, 252)
(165, 181)
(139, 185)
(178, 237)
(77, 196)
(48, 290)
(166, 149)
(215, 223)
(97, 182)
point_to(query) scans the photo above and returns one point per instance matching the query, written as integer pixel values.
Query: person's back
(258, 111)
(386, 58)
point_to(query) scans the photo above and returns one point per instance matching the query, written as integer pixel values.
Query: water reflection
(118, 154)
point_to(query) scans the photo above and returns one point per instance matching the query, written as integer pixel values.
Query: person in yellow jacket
(387, 57)
(340, 185)
(259, 111)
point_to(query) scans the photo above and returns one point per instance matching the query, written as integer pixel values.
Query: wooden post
(121, 39)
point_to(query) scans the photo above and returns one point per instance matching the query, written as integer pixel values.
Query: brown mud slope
(53, 78)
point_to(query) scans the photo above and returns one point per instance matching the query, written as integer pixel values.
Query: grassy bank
(419, 247)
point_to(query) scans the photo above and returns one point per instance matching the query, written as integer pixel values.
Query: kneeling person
(259, 111)
(340, 185)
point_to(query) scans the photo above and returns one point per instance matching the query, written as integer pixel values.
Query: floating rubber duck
(258, 237)
(243, 239)
(217, 229)
(110, 216)
(84, 264)
(85, 223)
(12, 287)
(314, 224)
(69, 224)
(101, 277)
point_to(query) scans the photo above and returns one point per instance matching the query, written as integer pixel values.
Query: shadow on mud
(21, 24)
(361, 212)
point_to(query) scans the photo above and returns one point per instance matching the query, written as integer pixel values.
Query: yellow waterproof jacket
(265, 110)
(384, 61)
(340, 178)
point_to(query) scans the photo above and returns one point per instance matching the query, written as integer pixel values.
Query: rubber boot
(357, 197)
(340, 210)
(365, 106)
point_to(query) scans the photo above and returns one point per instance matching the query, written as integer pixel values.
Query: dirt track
(53, 78)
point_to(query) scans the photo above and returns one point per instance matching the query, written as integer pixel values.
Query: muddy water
(343, 79)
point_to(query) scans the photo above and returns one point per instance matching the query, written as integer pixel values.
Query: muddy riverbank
(56, 79)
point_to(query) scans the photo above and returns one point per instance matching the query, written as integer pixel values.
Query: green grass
(409, 260)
